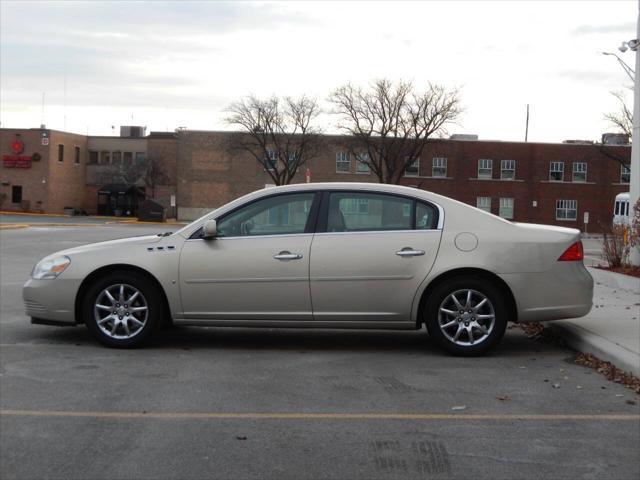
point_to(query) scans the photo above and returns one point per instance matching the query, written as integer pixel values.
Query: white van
(621, 209)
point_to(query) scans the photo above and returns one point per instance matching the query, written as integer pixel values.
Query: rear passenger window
(361, 212)
(426, 217)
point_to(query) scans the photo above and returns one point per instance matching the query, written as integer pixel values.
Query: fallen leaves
(610, 372)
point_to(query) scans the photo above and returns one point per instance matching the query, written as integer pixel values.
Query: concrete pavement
(611, 331)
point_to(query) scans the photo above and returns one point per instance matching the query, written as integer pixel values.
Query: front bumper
(51, 301)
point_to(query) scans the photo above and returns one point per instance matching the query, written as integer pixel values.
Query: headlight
(50, 267)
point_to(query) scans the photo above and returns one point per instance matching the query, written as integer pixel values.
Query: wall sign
(16, 161)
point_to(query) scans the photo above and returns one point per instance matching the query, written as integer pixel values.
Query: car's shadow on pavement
(514, 343)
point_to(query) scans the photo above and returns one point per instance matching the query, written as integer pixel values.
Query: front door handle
(287, 255)
(409, 252)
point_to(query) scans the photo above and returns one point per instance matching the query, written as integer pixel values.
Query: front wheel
(122, 309)
(466, 315)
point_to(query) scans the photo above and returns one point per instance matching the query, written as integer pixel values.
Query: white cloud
(175, 64)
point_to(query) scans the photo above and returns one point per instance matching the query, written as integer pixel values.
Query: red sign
(17, 146)
(16, 161)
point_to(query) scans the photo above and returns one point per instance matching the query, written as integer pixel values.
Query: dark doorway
(120, 200)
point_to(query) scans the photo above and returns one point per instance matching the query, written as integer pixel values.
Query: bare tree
(389, 123)
(623, 118)
(153, 174)
(278, 133)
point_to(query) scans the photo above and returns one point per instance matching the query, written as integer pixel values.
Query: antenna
(64, 99)
(526, 130)
(42, 111)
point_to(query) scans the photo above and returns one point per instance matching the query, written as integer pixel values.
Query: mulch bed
(633, 271)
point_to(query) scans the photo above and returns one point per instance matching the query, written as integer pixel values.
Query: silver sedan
(333, 255)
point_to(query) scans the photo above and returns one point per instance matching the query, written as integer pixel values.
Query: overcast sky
(179, 64)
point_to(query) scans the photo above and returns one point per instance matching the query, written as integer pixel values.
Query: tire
(472, 325)
(119, 317)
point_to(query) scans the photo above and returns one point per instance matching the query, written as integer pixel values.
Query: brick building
(553, 183)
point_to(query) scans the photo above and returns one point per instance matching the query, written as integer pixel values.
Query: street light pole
(634, 187)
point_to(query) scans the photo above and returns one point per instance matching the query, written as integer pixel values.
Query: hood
(121, 242)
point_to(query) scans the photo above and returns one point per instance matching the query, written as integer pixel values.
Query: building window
(139, 158)
(579, 172)
(485, 168)
(413, 168)
(625, 174)
(508, 170)
(61, 153)
(566, 209)
(76, 155)
(362, 163)
(556, 172)
(343, 162)
(484, 203)
(105, 158)
(116, 158)
(127, 158)
(16, 194)
(93, 157)
(506, 208)
(271, 160)
(439, 167)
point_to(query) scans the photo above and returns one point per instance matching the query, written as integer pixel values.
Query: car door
(257, 268)
(369, 255)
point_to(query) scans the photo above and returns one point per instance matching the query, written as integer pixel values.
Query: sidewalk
(611, 331)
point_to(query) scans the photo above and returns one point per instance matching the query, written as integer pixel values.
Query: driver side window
(279, 215)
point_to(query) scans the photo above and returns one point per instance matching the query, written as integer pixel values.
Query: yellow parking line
(319, 416)
(11, 226)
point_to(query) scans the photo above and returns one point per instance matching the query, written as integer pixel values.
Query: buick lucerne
(324, 255)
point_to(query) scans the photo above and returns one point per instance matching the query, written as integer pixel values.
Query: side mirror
(210, 229)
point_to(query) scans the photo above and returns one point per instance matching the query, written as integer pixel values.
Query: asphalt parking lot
(291, 404)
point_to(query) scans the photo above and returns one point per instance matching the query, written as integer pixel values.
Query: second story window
(139, 158)
(439, 167)
(76, 155)
(485, 168)
(579, 172)
(362, 163)
(413, 169)
(61, 153)
(556, 171)
(508, 170)
(271, 160)
(93, 157)
(343, 162)
(625, 174)
(116, 158)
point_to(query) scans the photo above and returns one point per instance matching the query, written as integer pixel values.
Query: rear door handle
(287, 255)
(409, 252)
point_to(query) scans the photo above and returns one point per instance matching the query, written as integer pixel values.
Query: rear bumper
(566, 291)
(50, 301)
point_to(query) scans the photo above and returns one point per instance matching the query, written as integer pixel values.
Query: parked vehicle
(332, 255)
(621, 209)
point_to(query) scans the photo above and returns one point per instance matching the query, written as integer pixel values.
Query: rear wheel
(122, 309)
(466, 315)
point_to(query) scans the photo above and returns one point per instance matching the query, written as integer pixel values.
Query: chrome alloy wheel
(120, 311)
(466, 317)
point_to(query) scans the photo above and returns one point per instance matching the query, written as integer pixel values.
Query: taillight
(572, 254)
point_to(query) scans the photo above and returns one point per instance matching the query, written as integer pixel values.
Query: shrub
(616, 246)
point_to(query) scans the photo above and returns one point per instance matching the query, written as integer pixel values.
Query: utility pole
(526, 129)
(634, 187)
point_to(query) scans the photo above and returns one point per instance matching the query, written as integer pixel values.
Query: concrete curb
(615, 280)
(582, 340)
(597, 332)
